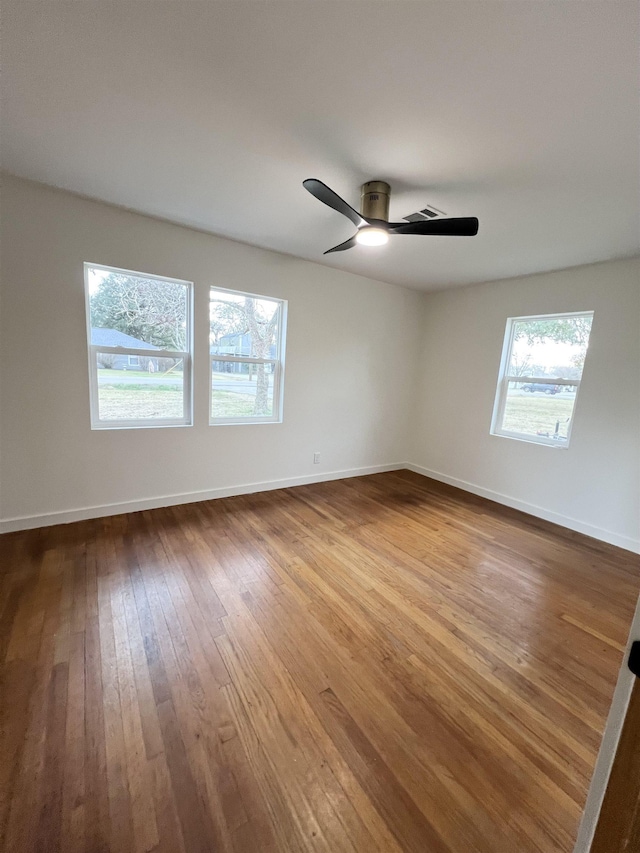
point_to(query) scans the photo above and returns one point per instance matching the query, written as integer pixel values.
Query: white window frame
(277, 362)
(504, 378)
(186, 356)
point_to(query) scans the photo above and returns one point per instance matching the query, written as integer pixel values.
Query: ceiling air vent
(425, 213)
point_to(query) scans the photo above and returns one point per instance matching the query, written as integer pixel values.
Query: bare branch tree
(231, 318)
(147, 309)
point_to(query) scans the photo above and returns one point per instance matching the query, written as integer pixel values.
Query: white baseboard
(29, 522)
(531, 509)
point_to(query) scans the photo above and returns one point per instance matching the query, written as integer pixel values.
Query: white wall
(377, 376)
(351, 346)
(594, 484)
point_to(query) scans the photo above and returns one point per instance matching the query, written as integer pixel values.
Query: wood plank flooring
(376, 664)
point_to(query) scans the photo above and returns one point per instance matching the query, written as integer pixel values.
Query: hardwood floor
(377, 664)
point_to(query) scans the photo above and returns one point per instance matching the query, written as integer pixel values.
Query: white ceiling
(524, 114)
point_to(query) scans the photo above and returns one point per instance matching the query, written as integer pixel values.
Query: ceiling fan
(373, 223)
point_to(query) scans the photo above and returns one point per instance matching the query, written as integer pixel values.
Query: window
(139, 329)
(540, 375)
(247, 334)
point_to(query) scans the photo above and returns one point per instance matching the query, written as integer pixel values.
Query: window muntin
(246, 357)
(542, 363)
(139, 329)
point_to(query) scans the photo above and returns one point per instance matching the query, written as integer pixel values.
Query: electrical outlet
(316, 458)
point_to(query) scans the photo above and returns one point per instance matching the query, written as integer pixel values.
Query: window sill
(245, 422)
(558, 445)
(103, 427)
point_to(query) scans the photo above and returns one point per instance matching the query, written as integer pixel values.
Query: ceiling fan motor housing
(374, 200)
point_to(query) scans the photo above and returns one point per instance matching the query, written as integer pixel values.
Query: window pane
(539, 411)
(135, 312)
(553, 347)
(241, 390)
(243, 325)
(150, 390)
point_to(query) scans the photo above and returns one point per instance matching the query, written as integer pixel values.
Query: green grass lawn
(228, 404)
(532, 412)
(122, 401)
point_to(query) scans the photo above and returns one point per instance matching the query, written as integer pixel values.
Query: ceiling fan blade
(464, 226)
(348, 244)
(326, 195)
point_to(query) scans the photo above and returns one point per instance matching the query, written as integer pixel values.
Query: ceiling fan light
(370, 236)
